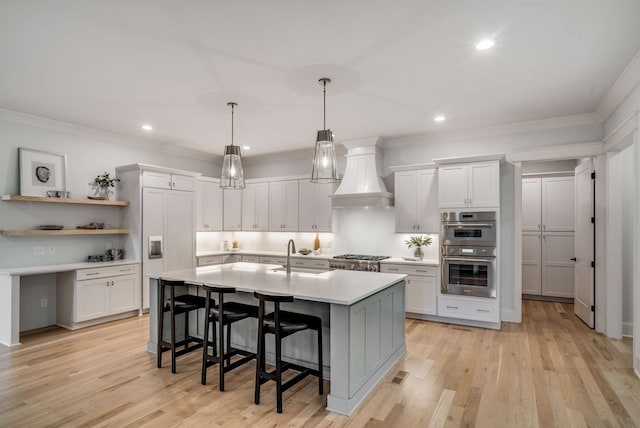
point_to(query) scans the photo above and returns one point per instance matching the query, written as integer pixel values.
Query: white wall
(626, 224)
(86, 158)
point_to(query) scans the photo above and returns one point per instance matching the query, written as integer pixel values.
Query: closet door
(531, 205)
(531, 263)
(557, 266)
(558, 204)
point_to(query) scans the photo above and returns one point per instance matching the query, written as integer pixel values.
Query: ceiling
(394, 65)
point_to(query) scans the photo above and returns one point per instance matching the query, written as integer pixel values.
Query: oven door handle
(469, 259)
(452, 225)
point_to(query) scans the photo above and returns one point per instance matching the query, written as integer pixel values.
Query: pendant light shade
(324, 169)
(232, 174)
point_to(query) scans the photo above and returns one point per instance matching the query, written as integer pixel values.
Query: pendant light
(232, 174)
(324, 168)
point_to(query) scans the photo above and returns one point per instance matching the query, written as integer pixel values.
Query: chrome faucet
(291, 246)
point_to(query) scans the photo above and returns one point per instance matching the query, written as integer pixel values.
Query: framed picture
(42, 172)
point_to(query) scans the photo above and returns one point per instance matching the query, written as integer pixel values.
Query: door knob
(574, 259)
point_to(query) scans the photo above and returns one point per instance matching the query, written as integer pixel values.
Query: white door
(213, 206)
(249, 207)
(308, 200)
(452, 186)
(262, 206)
(92, 299)
(421, 295)
(531, 263)
(123, 293)
(531, 205)
(291, 206)
(232, 210)
(584, 285)
(179, 245)
(405, 201)
(427, 212)
(323, 206)
(484, 184)
(277, 196)
(557, 265)
(558, 206)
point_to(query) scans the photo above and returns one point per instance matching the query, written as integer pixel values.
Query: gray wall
(628, 188)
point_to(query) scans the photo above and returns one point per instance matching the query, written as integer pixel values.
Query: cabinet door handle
(393, 269)
(418, 227)
(112, 283)
(93, 273)
(538, 227)
(574, 259)
(452, 307)
(544, 226)
(482, 310)
(421, 270)
(469, 201)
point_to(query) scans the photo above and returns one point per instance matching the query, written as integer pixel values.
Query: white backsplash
(355, 230)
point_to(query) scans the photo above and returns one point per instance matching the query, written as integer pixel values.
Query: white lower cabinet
(90, 294)
(273, 260)
(547, 265)
(421, 289)
(251, 259)
(310, 263)
(209, 260)
(469, 308)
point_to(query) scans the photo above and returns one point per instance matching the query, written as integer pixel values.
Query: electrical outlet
(38, 251)
(52, 249)
(108, 246)
(44, 302)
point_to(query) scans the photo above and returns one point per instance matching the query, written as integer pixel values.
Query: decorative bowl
(304, 251)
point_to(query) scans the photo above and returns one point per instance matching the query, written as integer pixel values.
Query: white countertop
(337, 286)
(324, 256)
(36, 270)
(401, 260)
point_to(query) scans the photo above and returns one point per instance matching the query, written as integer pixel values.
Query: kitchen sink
(313, 271)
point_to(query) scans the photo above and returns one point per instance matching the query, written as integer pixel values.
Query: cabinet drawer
(469, 308)
(209, 260)
(273, 260)
(317, 264)
(159, 180)
(107, 271)
(251, 259)
(409, 269)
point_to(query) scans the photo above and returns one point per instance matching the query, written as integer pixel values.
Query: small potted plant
(102, 183)
(418, 241)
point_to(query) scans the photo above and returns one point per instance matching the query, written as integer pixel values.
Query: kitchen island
(363, 319)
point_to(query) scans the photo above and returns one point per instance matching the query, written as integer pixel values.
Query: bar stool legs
(282, 324)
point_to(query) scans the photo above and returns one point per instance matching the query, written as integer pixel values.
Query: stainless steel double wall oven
(468, 257)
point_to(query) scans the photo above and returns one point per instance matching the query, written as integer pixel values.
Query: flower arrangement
(105, 180)
(418, 241)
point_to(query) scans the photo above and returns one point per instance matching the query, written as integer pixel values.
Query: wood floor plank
(550, 370)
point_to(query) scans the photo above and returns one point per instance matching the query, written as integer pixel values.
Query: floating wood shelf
(38, 232)
(64, 200)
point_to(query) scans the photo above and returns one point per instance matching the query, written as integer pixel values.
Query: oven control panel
(454, 250)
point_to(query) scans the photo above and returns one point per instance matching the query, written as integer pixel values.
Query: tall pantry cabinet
(548, 236)
(161, 218)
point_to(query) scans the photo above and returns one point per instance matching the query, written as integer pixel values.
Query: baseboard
(548, 298)
(508, 315)
(627, 329)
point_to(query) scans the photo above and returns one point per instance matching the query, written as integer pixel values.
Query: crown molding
(622, 87)
(105, 136)
(558, 152)
(306, 153)
(492, 131)
(626, 128)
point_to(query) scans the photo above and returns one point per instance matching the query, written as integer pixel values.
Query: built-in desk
(10, 292)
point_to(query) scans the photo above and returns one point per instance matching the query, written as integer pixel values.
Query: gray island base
(363, 320)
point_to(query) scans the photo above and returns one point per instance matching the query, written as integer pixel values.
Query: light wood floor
(551, 370)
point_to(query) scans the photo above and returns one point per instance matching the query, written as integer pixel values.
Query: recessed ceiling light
(246, 148)
(485, 44)
(440, 118)
(147, 127)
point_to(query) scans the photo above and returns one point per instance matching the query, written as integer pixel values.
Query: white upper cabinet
(416, 201)
(315, 206)
(283, 206)
(558, 204)
(548, 204)
(469, 185)
(255, 200)
(208, 206)
(232, 209)
(531, 205)
(164, 180)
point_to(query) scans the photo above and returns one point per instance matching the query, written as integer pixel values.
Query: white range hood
(362, 185)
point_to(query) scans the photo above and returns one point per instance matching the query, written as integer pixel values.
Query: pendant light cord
(324, 104)
(232, 106)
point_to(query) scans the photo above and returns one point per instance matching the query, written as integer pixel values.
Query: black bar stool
(231, 312)
(283, 324)
(176, 305)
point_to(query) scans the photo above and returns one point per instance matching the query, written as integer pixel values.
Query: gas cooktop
(360, 257)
